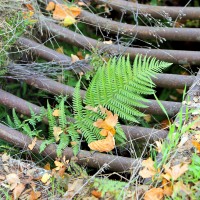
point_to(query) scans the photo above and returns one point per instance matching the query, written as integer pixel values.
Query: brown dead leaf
(107, 124)
(56, 113)
(147, 118)
(167, 187)
(96, 193)
(34, 195)
(149, 169)
(12, 180)
(58, 165)
(18, 190)
(51, 5)
(5, 157)
(32, 145)
(104, 145)
(56, 132)
(165, 123)
(94, 109)
(180, 187)
(47, 166)
(175, 172)
(80, 55)
(196, 122)
(154, 194)
(74, 58)
(30, 7)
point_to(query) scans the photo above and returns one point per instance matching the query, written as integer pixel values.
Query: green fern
(119, 86)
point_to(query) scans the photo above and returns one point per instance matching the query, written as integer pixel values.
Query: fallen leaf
(104, 145)
(147, 118)
(80, 3)
(56, 132)
(180, 91)
(167, 187)
(47, 166)
(74, 58)
(5, 157)
(58, 165)
(29, 6)
(51, 5)
(32, 145)
(73, 188)
(149, 169)
(175, 172)
(180, 187)
(62, 171)
(12, 180)
(73, 143)
(60, 50)
(61, 12)
(96, 193)
(108, 42)
(80, 55)
(94, 109)
(195, 123)
(34, 195)
(154, 194)
(18, 190)
(196, 144)
(159, 146)
(165, 123)
(69, 20)
(108, 124)
(45, 177)
(2, 177)
(56, 113)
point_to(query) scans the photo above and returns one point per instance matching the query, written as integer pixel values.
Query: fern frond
(77, 101)
(64, 142)
(120, 86)
(51, 119)
(62, 116)
(16, 119)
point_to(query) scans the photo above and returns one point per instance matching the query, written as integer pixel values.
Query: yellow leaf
(154, 194)
(45, 177)
(104, 145)
(60, 50)
(58, 165)
(56, 113)
(31, 146)
(196, 144)
(149, 169)
(51, 5)
(56, 132)
(69, 20)
(18, 190)
(175, 172)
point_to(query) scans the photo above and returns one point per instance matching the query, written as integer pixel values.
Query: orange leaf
(154, 194)
(63, 11)
(56, 113)
(167, 187)
(107, 124)
(31, 146)
(47, 166)
(75, 11)
(196, 144)
(59, 13)
(96, 193)
(34, 195)
(149, 169)
(18, 190)
(104, 145)
(50, 6)
(29, 6)
(175, 172)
